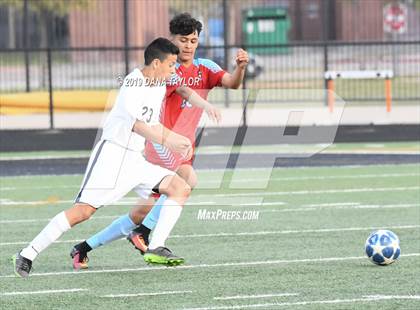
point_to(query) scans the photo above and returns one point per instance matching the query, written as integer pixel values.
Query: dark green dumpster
(262, 26)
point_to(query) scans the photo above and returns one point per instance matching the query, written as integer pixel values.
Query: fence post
(388, 93)
(325, 45)
(50, 88)
(245, 101)
(126, 39)
(26, 45)
(225, 49)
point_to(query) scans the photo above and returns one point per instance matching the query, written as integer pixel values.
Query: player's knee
(187, 190)
(192, 181)
(187, 173)
(82, 212)
(87, 211)
(179, 188)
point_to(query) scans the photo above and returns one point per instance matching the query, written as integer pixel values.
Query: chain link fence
(48, 45)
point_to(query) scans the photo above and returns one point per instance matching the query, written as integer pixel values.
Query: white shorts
(113, 171)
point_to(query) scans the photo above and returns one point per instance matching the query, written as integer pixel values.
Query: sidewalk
(271, 116)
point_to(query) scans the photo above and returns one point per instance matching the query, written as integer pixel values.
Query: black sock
(143, 230)
(83, 247)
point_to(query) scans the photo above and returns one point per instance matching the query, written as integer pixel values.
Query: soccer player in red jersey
(180, 116)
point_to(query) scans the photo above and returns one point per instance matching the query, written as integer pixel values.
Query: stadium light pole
(26, 45)
(126, 52)
(325, 34)
(225, 48)
(50, 88)
(49, 20)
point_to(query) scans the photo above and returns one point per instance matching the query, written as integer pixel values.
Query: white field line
(27, 242)
(396, 206)
(394, 296)
(8, 202)
(247, 180)
(376, 152)
(207, 170)
(72, 290)
(333, 204)
(254, 233)
(374, 145)
(329, 177)
(247, 194)
(41, 176)
(20, 188)
(287, 232)
(352, 207)
(147, 294)
(249, 204)
(254, 296)
(202, 266)
(378, 149)
(40, 220)
(372, 298)
(43, 157)
(331, 191)
(29, 176)
(125, 201)
(131, 201)
(263, 204)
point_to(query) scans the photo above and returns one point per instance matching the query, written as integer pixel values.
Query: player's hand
(179, 144)
(189, 154)
(242, 58)
(214, 113)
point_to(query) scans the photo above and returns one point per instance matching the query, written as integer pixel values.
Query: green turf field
(303, 249)
(348, 148)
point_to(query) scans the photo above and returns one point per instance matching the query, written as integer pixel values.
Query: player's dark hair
(159, 49)
(184, 24)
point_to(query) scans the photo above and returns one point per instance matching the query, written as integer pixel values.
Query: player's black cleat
(22, 266)
(80, 259)
(139, 241)
(162, 256)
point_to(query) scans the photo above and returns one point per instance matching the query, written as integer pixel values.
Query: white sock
(169, 215)
(55, 228)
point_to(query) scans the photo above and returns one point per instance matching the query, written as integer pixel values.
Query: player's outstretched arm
(235, 79)
(162, 135)
(196, 100)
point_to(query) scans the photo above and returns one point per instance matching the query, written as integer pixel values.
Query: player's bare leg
(139, 212)
(59, 224)
(177, 191)
(139, 237)
(188, 173)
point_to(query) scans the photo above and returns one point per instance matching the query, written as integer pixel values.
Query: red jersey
(178, 114)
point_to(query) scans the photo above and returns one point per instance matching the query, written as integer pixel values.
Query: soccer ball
(382, 247)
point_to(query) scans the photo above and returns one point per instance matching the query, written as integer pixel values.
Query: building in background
(101, 40)
(101, 23)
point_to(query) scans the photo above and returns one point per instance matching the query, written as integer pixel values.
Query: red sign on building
(395, 17)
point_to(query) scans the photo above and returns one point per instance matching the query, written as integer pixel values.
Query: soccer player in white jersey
(117, 165)
(180, 116)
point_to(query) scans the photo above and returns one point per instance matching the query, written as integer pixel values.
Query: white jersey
(135, 101)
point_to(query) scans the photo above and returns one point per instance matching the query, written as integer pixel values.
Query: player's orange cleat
(138, 240)
(155, 195)
(80, 260)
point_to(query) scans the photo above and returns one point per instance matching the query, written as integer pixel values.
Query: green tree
(46, 9)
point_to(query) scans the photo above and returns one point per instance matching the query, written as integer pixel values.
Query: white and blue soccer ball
(383, 247)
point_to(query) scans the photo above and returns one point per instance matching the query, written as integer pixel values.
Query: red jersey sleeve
(215, 73)
(173, 83)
